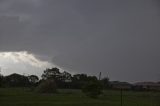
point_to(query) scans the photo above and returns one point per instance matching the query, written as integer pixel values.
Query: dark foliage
(16, 80)
(105, 82)
(33, 80)
(52, 73)
(47, 86)
(93, 89)
(1, 80)
(79, 80)
(66, 80)
(63, 80)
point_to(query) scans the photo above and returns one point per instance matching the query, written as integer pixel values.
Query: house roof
(147, 84)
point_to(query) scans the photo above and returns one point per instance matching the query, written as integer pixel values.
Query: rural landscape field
(79, 52)
(25, 97)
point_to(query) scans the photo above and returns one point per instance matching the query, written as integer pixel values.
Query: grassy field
(24, 97)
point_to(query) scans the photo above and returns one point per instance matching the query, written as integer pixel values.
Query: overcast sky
(119, 38)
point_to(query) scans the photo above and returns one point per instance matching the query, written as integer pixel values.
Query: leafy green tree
(1, 80)
(47, 86)
(105, 82)
(33, 79)
(80, 77)
(63, 80)
(16, 80)
(79, 80)
(92, 78)
(66, 77)
(52, 73)
(93, 89)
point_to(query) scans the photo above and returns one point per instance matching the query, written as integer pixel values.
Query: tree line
(64, 80)
(52, 78)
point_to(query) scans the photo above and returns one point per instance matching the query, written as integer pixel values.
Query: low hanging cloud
(11, 62)
(25, 57)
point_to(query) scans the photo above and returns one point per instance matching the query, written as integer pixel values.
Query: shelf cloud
(119, 38)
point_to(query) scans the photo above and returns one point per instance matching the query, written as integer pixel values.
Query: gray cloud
(118, 38)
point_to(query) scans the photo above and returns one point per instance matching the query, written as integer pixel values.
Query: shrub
(93, 89)
(47, 86)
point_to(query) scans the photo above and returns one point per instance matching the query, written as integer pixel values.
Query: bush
(93, 89)
(47, 86)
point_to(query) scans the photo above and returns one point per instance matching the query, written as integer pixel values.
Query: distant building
(147, 85)
(120, 85)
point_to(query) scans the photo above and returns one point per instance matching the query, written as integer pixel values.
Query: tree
(79, 80)
(65, 81)
(92, 78)
(66, 77)
(16, 80)
(52, 73)
(47, 86)
(93, 89)
(33, 79)
(105, 82)
(79, 77)
(1, 80)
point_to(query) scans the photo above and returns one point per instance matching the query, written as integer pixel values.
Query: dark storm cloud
(118, 38)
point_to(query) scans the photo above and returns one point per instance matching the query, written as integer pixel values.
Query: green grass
(25, 97)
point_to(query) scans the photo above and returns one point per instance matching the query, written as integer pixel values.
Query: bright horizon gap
(25, 63)
(22, 62)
